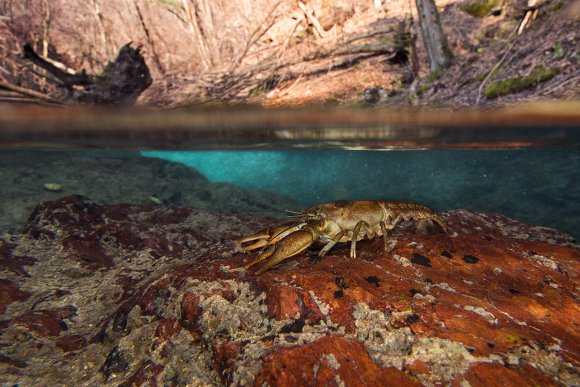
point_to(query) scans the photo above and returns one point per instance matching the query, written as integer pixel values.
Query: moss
(435, 75)
(479, 8)
(172, 3)
(423, 88)
(517, 84)
(557, 51)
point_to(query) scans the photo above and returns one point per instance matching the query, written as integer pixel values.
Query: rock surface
(137, 294)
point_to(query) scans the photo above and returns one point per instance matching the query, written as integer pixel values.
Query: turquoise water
(536, 186)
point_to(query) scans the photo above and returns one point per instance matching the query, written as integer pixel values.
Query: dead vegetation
(288, 52)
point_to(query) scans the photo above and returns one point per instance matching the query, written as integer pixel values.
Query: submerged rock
(147, 294)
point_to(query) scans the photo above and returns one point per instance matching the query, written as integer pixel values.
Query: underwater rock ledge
(139, 294)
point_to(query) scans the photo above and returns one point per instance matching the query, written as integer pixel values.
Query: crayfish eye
(315, 220)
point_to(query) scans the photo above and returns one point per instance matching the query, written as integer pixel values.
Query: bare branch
(28, 92)
(312, 19)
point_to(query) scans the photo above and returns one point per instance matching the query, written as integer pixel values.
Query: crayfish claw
(260, 239)
(267, 236)
(265, 255)
(288, 247)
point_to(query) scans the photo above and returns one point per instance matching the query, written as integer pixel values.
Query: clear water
(536, 186)
(527, 168)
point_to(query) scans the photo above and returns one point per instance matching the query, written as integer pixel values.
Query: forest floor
(492, 64)
(288, 61)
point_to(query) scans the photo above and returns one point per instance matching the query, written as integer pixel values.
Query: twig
(287, 43)
(24, 100)
(28, 92)
(198, 34)
(252, 39)
(102, 30)
(493, 70)
(46, 76)
(563, 83)
(370, 34)
(313, 20)
(64, 76)
(287, 90)
(9, 93)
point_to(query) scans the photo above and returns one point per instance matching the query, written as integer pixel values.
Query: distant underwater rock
(54, 187)
(151, 294)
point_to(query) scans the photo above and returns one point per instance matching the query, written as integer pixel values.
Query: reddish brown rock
(190, 309)
(491, 303)
(71, 343)
(11, 262)
(329, 361)
(45, 322)
(9, 293)
(146, 374)
(496, 375)
(287, 302)
(167, 329)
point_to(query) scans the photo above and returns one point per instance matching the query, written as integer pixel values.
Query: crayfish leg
(331, 244)
(427, 225)
(440, 222)
(384, 231)
(355, 233)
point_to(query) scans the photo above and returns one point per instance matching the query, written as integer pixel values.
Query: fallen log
(121, 82)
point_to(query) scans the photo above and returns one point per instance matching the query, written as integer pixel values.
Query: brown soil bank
(287, 53)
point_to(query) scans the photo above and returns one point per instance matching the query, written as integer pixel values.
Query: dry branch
(227, 85)
(260, 31)
(27, 92)
(64, 76)
(312, 19)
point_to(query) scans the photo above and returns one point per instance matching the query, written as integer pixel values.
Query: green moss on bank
(517, 84)
(479, 8)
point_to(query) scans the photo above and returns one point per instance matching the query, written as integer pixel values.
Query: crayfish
(332, 223)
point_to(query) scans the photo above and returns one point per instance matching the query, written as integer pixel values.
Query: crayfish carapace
(331, 223)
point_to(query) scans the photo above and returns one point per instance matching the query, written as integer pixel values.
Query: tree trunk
(435, 41)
